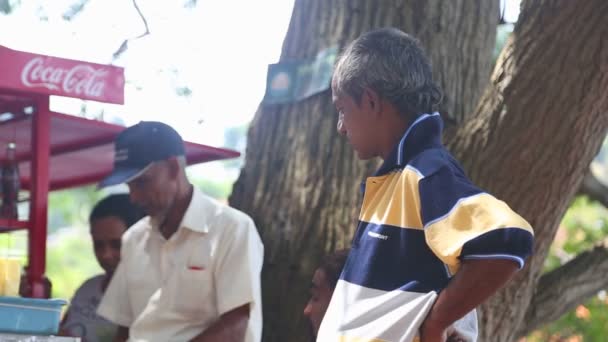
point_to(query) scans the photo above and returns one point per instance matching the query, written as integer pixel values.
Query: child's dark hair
(117, 205)
(333, 264)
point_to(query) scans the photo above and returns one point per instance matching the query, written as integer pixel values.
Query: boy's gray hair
(394, 65)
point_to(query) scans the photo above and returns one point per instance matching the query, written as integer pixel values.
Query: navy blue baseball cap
(138, 146)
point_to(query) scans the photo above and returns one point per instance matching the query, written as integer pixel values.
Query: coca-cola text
(78, 80)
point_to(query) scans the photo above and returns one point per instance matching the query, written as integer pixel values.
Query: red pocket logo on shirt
(196, 268)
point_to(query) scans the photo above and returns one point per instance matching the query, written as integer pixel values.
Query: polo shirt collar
(423, 134)
(199, 210)
(196, 215)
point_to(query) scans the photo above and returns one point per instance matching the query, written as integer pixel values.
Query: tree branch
(562, 289)
(123, 47)
(5, 7)
(594, 189)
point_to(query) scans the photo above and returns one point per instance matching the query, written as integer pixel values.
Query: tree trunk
(300, 179)
(537, 128)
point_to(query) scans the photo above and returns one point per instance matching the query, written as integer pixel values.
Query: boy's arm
(481, 240)
(475, 282)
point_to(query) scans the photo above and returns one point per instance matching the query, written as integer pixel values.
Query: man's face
(154, 191)
(320, 295)
(357, 123)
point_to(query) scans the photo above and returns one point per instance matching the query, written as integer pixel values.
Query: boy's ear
(371, 102)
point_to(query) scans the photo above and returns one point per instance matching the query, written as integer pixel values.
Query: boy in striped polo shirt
(430, 246)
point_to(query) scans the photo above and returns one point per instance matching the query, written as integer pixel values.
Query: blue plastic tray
(30, 316)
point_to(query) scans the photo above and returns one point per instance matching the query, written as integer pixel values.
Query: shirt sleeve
(114, 305)
(238, 267)
(463, 222)
(78, 298)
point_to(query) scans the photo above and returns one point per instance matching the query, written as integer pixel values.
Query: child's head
(322, 287)
(109, 219)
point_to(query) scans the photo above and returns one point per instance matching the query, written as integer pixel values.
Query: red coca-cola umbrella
(57, 151)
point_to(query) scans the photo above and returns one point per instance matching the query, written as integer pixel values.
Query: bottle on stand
(10, 184)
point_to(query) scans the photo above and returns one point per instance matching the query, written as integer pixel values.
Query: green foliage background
(584, 226)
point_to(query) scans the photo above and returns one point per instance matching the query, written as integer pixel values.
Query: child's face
(106, 233)
(320, 296)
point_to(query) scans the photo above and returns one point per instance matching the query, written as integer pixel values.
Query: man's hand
(231, 327)
(122, 334)
(428, 333)
(475, 282)
(431, 332)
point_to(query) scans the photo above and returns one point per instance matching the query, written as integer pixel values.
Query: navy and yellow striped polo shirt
(419, 219)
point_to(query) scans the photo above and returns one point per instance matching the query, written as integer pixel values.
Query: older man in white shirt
(190, 271)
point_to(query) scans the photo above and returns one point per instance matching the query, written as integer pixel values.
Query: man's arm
(237, 280)
(475, 281)
(122, 334)
(231, 327)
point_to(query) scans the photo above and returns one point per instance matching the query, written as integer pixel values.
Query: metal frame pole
(39, 189)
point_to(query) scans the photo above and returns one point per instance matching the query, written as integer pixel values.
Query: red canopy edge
(81, 150)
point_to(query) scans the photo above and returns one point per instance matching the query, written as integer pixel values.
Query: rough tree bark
(537, 128)
(300, 179)
(538, 125)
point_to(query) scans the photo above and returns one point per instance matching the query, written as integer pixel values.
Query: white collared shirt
(172, 290)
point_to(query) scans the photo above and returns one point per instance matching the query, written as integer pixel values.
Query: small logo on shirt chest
(377, 236)
(196, 268)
